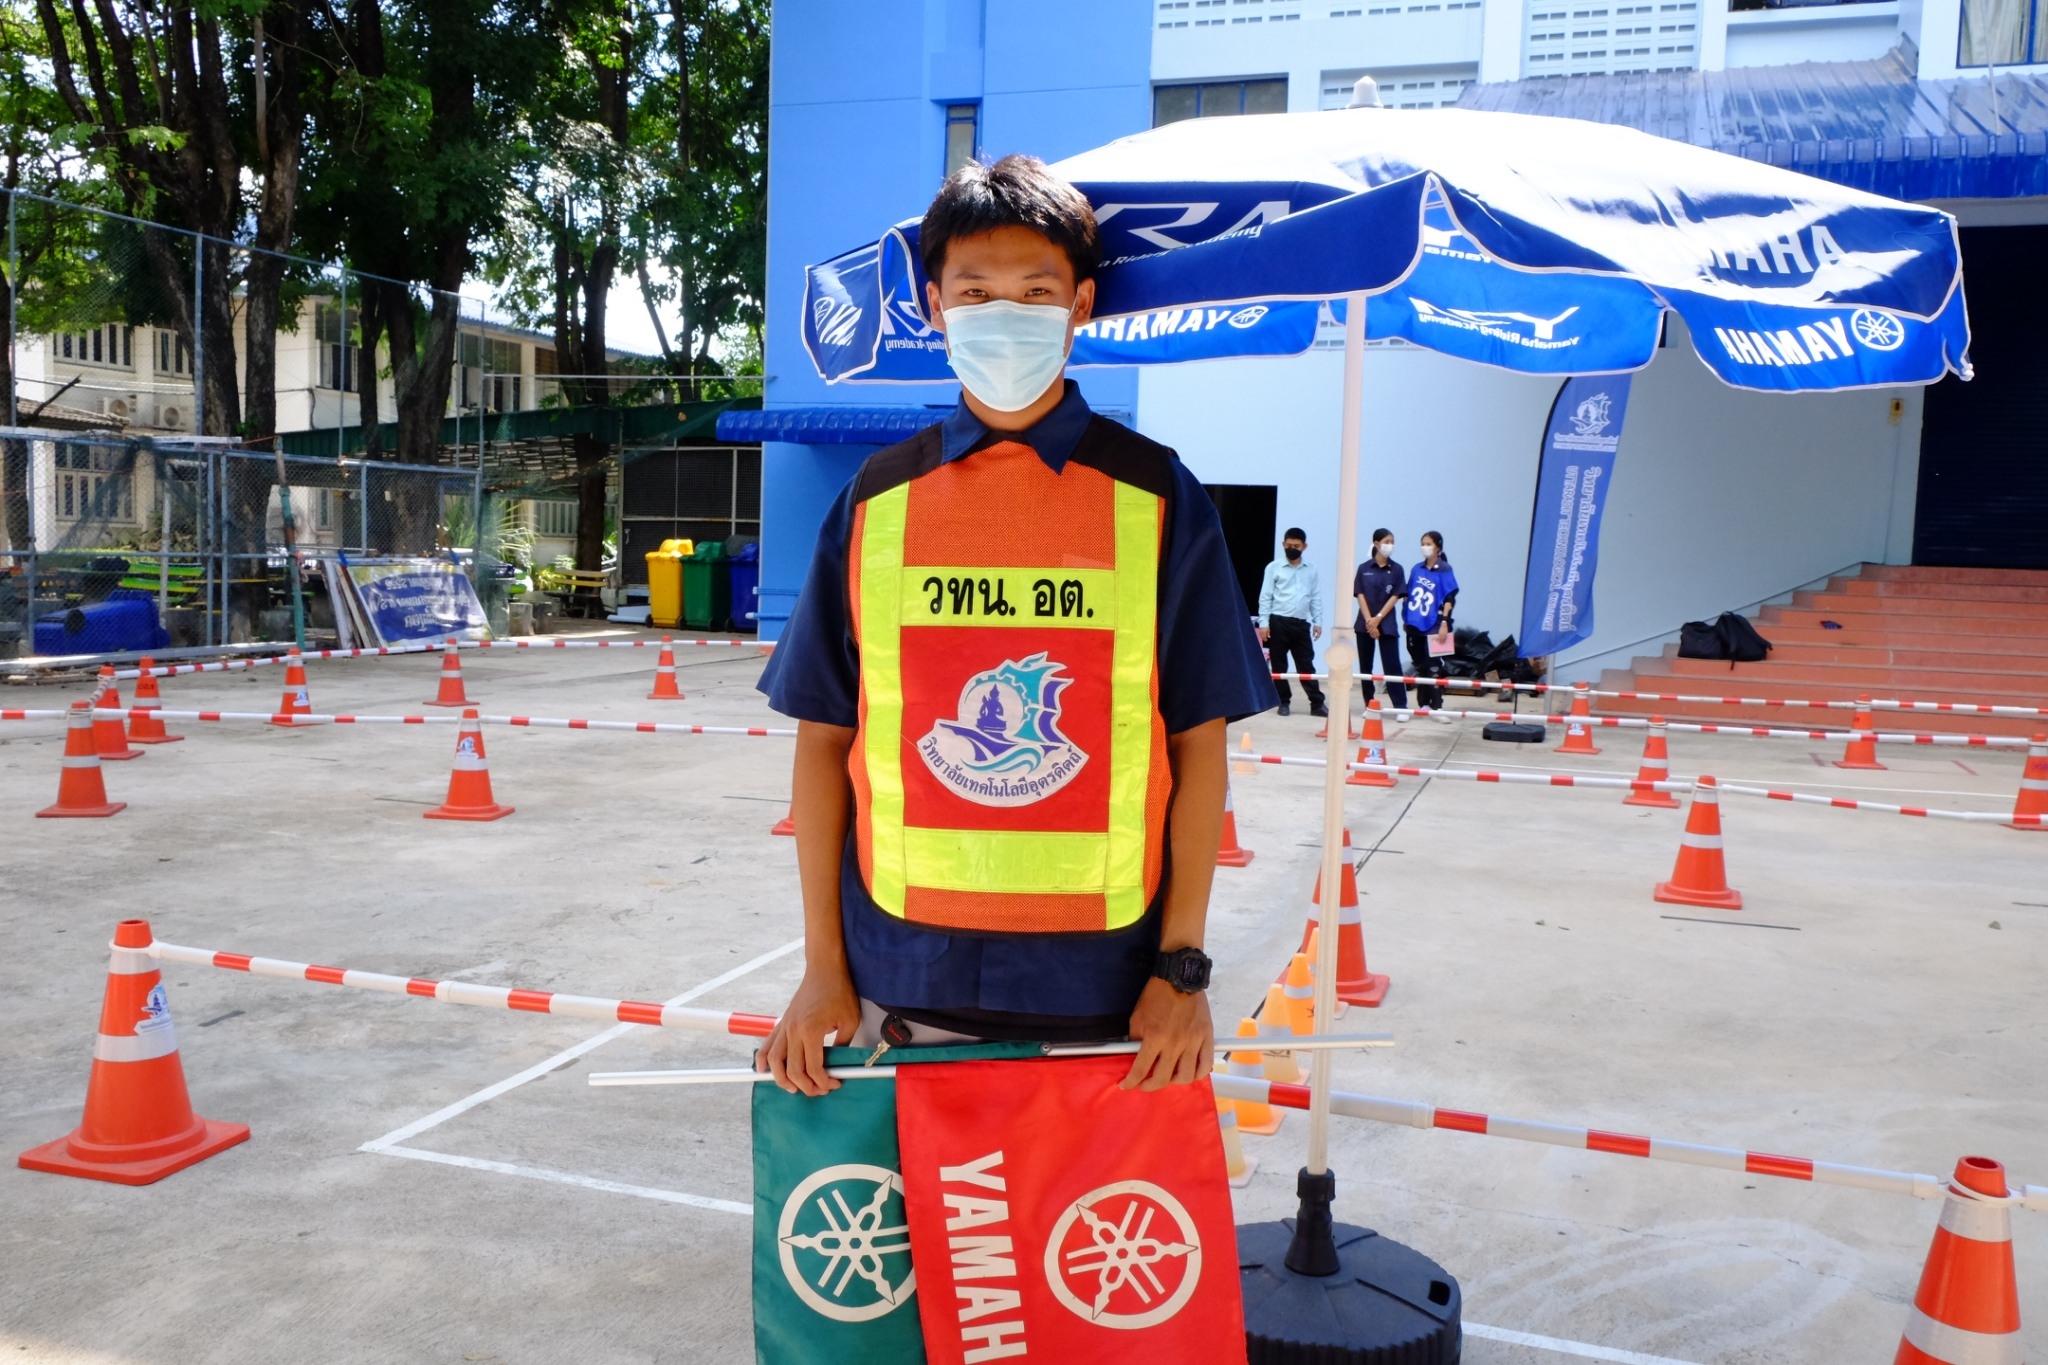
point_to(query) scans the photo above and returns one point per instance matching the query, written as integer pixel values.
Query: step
(1926, 625)
(1956, 592)
(1782, 634)
(1801, 717)
(1926, 573)
(2023, 688)
(1939, 608)
(1785, 650)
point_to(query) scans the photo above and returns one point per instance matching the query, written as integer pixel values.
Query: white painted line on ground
(1564, 1347)
(695, 1201)
(567, 1055)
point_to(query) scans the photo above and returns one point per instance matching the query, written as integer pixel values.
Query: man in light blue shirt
(1291, 619)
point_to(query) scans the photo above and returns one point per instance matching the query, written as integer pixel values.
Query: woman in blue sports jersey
(1432, 589)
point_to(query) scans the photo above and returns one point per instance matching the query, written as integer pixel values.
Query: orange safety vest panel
(1009, 769)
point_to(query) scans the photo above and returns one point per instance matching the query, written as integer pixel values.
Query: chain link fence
(112, 545)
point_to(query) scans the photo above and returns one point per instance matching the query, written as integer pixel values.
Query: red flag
(1056, 1217)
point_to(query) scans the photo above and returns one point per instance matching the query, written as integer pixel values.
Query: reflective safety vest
(1009, 769)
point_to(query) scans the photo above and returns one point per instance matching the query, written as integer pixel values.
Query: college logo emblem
(1590, 418)
(1126, 1256)
(1005, 748)
(834, 320)
(156, 1011)
(1878, 331)
(845, 1242)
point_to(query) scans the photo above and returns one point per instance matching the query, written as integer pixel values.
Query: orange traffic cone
(1237, 1167)
(451, 693)
(1699, 877)
(469, 785)
(1355, 985)
(81, 790)
(786, 826)
(1372, 748)
(2030, 808)
(665, 688)
(1861, 751)
(1300, 991)
(1350, 732)
(1253, 1116)
(1231, 854)
(296, 701)
(1656, 767)
(1243, 764)
(146, 728)
(1967, 1311)
(1578, 736)
(1280, 1066)
(139, 1125)
(109, 739)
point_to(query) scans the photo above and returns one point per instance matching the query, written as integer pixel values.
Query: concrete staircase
(1910, 633)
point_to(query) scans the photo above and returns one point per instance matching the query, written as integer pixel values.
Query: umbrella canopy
(1550, 246)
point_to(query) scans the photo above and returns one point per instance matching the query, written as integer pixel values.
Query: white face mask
(1385, 548)
(1007, 354)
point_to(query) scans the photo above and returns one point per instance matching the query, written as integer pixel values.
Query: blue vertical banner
(1579, 444)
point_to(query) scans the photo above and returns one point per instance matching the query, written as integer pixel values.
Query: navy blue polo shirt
(1376, 583)
(1210, 668)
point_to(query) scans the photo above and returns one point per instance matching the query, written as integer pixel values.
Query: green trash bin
(707, 588)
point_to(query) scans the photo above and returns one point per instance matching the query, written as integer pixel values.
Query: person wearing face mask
(1379, 585)
(1291, 617)
(1432, 591)
(1011, 665)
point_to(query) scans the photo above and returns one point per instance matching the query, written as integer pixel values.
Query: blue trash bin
(125, 622)
(745, 568)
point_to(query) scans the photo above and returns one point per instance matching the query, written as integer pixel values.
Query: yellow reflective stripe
(881, 666)
(1130, 722)
(1007, 860)
(948, 595)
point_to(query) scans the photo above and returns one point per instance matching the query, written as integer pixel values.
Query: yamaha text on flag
(1579, 445)
(1055, 1216)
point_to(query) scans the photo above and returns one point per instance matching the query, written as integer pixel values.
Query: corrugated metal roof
(828, 424)
(1872, 125)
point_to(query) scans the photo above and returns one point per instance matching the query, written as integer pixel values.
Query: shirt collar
(1054, 436)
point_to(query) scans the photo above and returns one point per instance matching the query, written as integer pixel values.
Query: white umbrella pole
(1338, 659)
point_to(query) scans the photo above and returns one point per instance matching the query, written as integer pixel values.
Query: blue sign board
(1579, 444)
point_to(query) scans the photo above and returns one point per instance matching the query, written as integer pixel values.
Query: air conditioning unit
(120, 409)
(171, 417)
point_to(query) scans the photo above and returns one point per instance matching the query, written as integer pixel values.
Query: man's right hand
(824, 1005)
(1263, 634)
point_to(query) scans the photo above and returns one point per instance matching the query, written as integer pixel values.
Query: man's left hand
(1177, 1034)
(1315, 632)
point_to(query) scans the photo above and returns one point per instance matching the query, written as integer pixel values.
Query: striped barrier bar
(644, 727)
(429, 647)
(1416, 1114)
(466, 993)
(1537, 689)
(1584, 780)
(1714, 728)
(1843, 803)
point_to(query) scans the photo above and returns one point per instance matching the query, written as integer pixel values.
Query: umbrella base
(1360, 1299)
(1510, 732)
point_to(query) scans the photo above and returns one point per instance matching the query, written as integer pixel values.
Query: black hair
(1295, 533)
(1438, 537)
(1017, 191)
(1381, 534)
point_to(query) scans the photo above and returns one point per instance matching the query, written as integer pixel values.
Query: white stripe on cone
(1956, 1346)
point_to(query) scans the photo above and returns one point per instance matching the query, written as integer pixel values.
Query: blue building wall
(856, 142)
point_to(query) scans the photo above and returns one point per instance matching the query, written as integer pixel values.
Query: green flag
(833, 1283)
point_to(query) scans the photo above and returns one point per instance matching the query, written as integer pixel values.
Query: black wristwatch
(1184, 969)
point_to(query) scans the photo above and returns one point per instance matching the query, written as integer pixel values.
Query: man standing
(1291, 619)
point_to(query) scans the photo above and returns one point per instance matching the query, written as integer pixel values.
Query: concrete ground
(433, 1183)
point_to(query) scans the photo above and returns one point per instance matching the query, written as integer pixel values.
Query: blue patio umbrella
(1541, 245)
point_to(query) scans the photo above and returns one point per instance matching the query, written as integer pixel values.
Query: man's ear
(933, 313)
(1084, 302)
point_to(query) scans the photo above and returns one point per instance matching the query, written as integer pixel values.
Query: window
(2002, 33)
(110, 345)
(338, 353)
(1215, 99)
(1591, 46)
(963, 126)
(173, 356)
(87, 487)
(555, 519)
(544, 388)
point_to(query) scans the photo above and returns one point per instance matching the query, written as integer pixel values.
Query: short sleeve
(1210, 665)
(814, 673)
